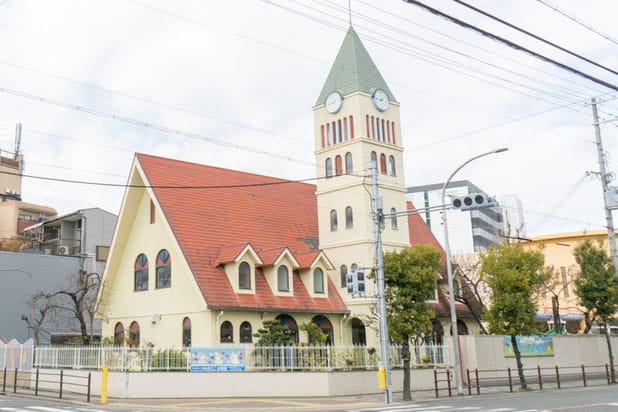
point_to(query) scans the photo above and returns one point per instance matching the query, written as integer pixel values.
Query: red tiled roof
(230, 253)
(227, 207)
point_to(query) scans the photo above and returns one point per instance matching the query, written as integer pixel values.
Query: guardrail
(496, 379)
(46, 383)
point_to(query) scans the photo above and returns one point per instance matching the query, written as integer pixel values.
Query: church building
(205, 263)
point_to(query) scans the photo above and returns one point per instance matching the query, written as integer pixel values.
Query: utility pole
(378, 217)
(605, 179)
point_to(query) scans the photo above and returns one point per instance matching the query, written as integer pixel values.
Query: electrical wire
(534, 36)
(179, 187)
(512, 44)
(153, 126)
(576, 20)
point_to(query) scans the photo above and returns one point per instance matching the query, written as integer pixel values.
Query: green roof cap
(353, 71)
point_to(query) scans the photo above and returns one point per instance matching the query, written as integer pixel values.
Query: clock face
(333, 103)
(380, 100)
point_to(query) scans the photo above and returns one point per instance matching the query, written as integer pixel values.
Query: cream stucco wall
(159, 312)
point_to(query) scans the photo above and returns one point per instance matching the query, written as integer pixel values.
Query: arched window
(318, 281)
(351, 127)
(391, 162)
(328, 140)
(462, 328)
(393, 132)
(394, 224)
(246, 333)
(134, 334)
(345, 129)
(327, 327)
(283, 279)
(349, 218)
(141, 273)
(344, 274)
(334, 132)
(338, 165)
(383, 131)
(322, 135)
(186, 332)
(388, 131)
(373, 127)
(164, 270)
(227, 332)
(329, 167)
(118, 334)
(368, 128)
(382, 163)
(244, 276)
(290, 323)
(339, 130)
(374, 159)
(333, 220)
(349, 167)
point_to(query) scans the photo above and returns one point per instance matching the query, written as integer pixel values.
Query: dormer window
(283, 279)
(244, 276)
(318, 281)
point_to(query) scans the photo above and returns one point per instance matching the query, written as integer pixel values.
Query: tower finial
(350, 11)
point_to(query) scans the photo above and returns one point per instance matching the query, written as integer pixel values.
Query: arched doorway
(326, 326)
(358, 332)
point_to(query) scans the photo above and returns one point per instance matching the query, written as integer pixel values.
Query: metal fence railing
(284, 358)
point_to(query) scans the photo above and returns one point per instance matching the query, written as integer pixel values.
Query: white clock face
(380, 100)
(333, 103)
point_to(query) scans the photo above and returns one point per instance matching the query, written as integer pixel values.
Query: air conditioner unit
(63, 250)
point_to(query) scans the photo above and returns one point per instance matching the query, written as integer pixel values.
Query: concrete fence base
(250, 384)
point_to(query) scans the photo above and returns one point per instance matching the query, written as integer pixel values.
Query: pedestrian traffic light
(473, 201)
(355, 282)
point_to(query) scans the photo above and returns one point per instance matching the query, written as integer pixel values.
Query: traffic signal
(355, 282)
(473, 201)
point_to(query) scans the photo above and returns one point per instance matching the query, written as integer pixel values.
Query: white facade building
(469, 231)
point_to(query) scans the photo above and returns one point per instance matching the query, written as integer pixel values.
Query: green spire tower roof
(353, 71)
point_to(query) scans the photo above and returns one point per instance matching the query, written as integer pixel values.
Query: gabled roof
(353, 71)
(221, 207)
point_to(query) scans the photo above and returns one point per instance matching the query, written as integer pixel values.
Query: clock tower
(357, 124)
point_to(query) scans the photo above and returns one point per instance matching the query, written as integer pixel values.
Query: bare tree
(473, 290)
(76, 297)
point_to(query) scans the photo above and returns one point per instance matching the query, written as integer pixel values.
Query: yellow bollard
(104, 375)
(382, 378)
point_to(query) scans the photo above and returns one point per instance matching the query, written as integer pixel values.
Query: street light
(449, 273)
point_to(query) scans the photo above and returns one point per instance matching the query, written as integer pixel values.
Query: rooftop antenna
(17, 139)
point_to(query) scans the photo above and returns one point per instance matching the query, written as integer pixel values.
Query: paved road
(594, 399)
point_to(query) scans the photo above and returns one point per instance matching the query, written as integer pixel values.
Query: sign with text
(217, 359)
(529, 346)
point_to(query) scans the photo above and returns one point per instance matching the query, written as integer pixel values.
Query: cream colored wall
(558, 251)
(9, 212)
(168, 306)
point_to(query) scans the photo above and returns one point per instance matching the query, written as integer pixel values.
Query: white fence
(15, 355)
(283, 358)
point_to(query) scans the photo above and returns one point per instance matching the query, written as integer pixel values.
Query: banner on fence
(217, 359)
(529, 346)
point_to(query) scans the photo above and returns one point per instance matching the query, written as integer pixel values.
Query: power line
(534, 36)
(576, 20)
(180, 187)
(153, 126)
(512, 44)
